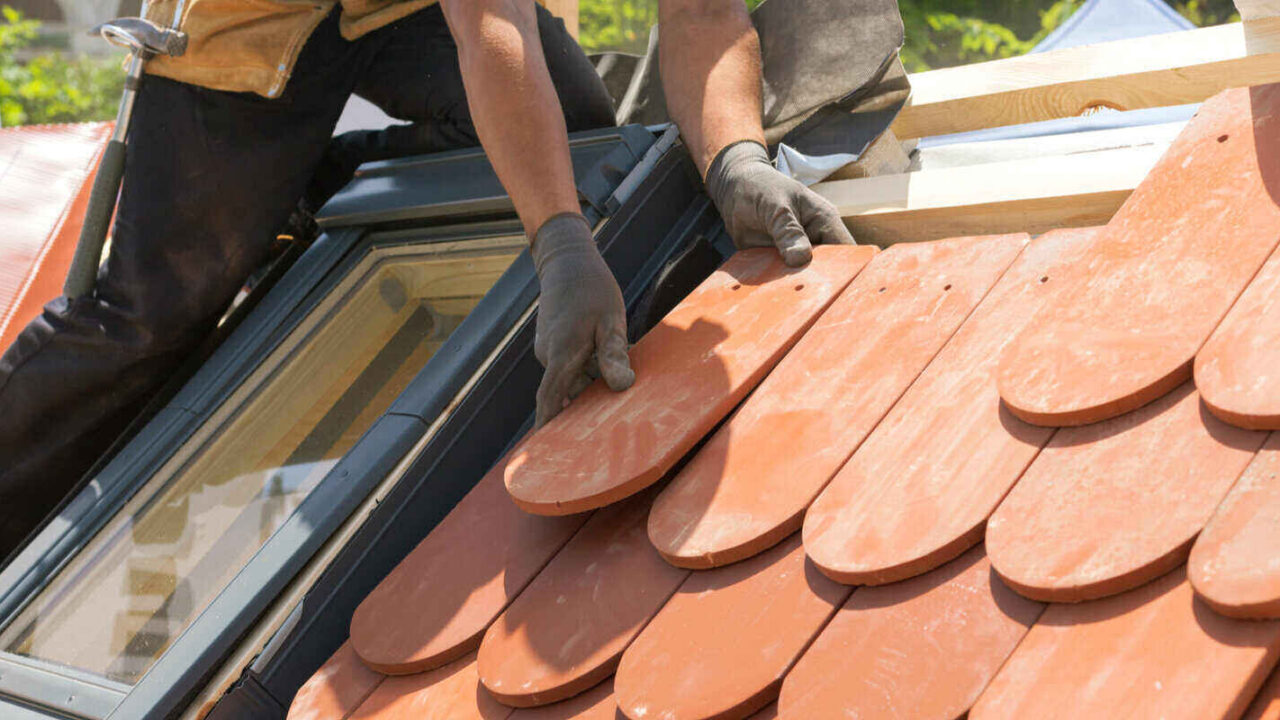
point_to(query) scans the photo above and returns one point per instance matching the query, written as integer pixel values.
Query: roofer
(225, 139)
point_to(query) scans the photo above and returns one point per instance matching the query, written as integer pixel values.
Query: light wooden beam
(566, 10)
(1033, 195)
(1156, 71)
(1256, 9)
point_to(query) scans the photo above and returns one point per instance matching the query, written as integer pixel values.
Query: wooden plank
(1163, 274)
(1258, 9)
(1155, 71)
(1033, 195)
(691, 371)
(749, 486)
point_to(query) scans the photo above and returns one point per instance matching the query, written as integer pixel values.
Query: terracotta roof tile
(46, 172)
(337, 688)
(1235, 565)
(435, 606)
(1238, 371)
(749, 486)
(920, 489)
(1113, 505)
(722, 644)
(1164, 272)
(923, 649)
(567, 630)
(451, 692)
(1154, 652)
(692, 369)
(1266, 706)
(597, 703)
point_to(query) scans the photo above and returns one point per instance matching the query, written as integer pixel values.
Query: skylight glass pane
(150, 572)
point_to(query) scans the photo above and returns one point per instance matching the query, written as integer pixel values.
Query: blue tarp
(1097, 21)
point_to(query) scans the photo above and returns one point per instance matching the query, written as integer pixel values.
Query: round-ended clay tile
(451, 692)
(337, 688)
(1108, 507)
(1164, 272)
(1266, 704)
(1238, 370)
(435, 606)
(918, 492)
(567, 630)
(923, 649)
(1235, 564)
(1153, 652)
(722, 644)
(597, 703)
(748, 487)
(691, 371)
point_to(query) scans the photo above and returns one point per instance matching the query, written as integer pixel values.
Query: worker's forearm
(711, 74)
(514, 105)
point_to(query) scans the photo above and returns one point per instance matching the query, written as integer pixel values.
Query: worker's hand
(762, 207)
(582, 322)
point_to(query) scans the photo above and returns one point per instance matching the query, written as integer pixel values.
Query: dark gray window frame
(444, 198)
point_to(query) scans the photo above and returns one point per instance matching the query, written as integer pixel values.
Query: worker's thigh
(209, 177)
(413, 75)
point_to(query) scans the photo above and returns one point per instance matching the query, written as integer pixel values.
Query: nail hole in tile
(1223, 138)
(800, 287)
(948, 287)
(1044, 279)
(883, 289)
(736, 286)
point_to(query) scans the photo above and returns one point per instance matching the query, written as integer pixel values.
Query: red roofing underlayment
(45, 175)
(876, 532)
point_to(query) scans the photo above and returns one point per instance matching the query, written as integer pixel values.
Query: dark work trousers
(210, 177)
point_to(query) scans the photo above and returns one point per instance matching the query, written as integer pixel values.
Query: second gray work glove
(582, 321)
(762, 207)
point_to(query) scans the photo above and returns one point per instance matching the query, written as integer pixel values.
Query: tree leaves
(51, 88)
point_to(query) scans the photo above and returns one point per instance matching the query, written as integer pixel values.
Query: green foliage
(51, 88)
(940, 33)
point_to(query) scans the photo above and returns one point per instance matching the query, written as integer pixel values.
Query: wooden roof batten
(1070, 188)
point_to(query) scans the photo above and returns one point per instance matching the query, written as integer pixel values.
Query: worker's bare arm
(710, 58)
(514, 104)
(581, 315)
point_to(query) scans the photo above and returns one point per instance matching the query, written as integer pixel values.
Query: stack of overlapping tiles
(999, 476)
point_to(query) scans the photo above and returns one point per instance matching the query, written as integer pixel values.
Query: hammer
(145, 40)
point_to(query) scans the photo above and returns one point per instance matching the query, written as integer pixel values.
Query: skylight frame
(602, 159)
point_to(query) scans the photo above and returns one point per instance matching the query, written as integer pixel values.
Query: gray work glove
(582, 322)
(762, 207)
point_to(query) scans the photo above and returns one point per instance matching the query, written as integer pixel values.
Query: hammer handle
(97, 221)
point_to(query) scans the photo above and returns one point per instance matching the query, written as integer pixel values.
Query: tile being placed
(1235, 564)
(1238, 371)
(722, 644)
(923, 649)
(1165, 271)
(749, 486)
(451, 692)
(918, 492)
(1110, 506)
(691, 370)
(1153, 652)
(435, 606)
(567, 630)
(337, 688)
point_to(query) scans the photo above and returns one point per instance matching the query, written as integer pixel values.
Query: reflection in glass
(143, 579)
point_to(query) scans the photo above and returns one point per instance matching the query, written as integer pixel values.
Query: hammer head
(142, 36)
